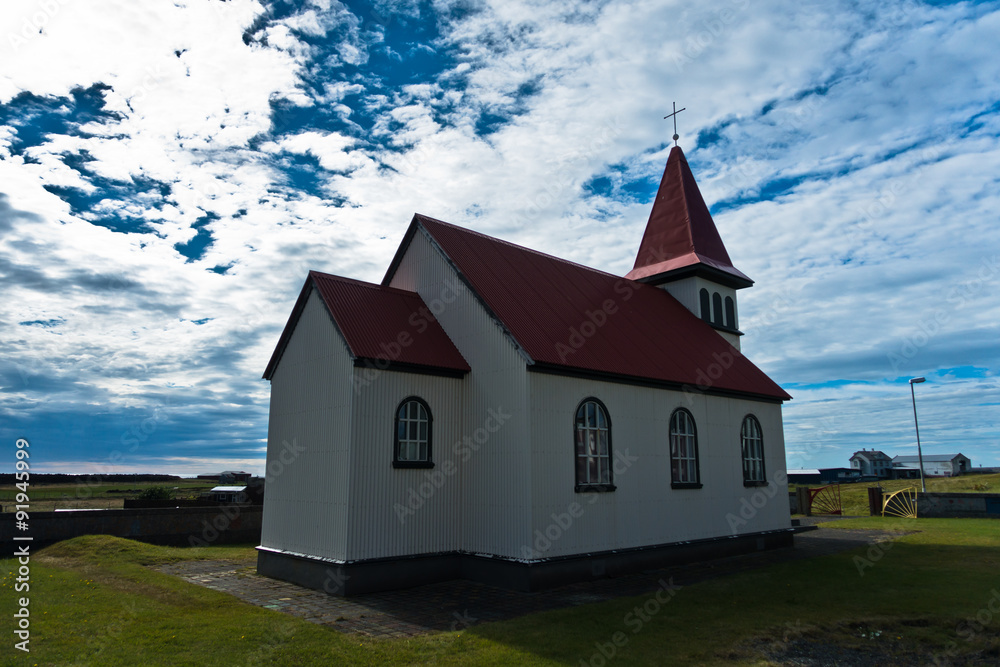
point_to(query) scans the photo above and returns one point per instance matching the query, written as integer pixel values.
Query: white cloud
(869, 135)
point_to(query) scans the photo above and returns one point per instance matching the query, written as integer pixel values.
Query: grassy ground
(93, 601)
(854, 497)
(48, 497)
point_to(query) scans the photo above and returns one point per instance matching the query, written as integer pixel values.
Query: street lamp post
(920, 454)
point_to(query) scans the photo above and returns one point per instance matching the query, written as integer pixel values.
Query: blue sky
(169, 172)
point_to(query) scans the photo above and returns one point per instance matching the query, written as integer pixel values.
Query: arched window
(717, 308)
(752, 442)
(684, 471)
(592, 442)
(730, 312)
(412, 447)
(706, 305)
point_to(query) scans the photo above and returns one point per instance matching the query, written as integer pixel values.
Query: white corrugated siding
(644, 509)
(496, 477)
(687, 291)
(397, 512)
(306, 493)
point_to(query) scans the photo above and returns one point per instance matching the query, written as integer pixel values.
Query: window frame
(752, 420)
(588, 486)
(718, 317)
(730, 308)
(397, 462)
(675, 459)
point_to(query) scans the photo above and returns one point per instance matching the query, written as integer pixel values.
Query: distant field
(854, 497)
(48, 497)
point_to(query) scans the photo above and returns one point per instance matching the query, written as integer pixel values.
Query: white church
(494, 413)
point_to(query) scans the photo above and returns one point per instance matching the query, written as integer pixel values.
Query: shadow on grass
(907, 603)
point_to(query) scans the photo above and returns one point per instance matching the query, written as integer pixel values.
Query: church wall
(305, 507)
(687, 291)
(495, 480)
(397, 511)
(644, 509)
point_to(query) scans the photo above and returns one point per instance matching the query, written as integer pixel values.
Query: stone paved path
(454, 605)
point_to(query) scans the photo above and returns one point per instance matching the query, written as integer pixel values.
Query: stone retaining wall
(176, 526)
(958, 505)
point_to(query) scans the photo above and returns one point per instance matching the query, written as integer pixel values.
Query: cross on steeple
(674, 116)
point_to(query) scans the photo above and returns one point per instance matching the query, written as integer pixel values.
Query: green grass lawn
(94, 602)
(854, 497)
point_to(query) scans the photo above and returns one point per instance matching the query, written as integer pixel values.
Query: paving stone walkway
(454, 605)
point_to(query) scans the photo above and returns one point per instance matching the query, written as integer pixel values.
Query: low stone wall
(140, 503)
(793, 502)
(958, 505)
(175, 526)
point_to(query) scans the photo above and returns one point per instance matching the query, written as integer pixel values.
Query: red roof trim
(376, 323)
(570, 371)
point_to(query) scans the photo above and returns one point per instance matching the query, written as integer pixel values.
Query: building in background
(872, 463)
(935, 465)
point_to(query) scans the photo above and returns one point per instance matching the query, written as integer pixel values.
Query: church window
(752, 443)
(730, 312)
(717, 309)
(706, 306)
(592, 438)
(413, 434)
(684, 472)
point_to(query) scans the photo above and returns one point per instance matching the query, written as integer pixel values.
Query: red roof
(680, 232)
(379, 324)
(570, 318)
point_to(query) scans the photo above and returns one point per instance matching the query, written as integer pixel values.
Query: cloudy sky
(170, 170)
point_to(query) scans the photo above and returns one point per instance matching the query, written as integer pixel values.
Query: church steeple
(680, 233)
(682, 251)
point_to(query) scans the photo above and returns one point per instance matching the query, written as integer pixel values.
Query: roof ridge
(519, 247)
(360, 283)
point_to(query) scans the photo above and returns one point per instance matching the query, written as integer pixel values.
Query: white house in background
(935, 465)
(498, 414)
(872, 463)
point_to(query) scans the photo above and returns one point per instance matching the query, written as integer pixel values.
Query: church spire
(681, 239)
